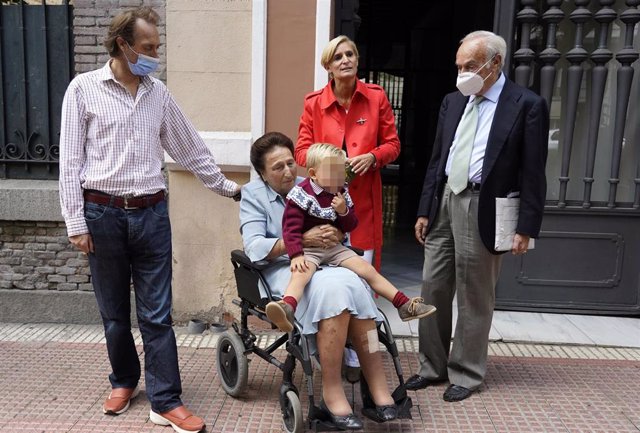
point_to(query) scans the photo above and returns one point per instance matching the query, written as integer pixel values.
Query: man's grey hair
(494, 44)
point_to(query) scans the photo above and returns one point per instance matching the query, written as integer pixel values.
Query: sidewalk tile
(59, 386)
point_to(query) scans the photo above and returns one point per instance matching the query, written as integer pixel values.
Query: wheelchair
(234, 347)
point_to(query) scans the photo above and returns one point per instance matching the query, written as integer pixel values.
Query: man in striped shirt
(117, 122)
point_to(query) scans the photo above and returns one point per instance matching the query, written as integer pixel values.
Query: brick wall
(38, 256)
(91, 19)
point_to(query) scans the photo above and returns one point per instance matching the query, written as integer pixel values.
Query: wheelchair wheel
(292, 413)
(232, 364)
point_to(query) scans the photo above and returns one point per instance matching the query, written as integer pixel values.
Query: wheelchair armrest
(240, 257)
(358, 251)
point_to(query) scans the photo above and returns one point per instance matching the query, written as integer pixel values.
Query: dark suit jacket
(514, 160)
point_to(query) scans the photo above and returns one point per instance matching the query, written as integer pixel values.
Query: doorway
(408, 47)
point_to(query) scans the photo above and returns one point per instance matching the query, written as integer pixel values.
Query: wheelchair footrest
(404, 408)
(318, 425)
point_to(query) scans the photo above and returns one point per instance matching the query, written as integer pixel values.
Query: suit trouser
(455, 259)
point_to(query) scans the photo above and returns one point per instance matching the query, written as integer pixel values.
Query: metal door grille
(36, 65)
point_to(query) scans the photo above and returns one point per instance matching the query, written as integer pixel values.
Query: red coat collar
(327, 98)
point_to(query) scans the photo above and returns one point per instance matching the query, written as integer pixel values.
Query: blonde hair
(331, 48)
(319, 151)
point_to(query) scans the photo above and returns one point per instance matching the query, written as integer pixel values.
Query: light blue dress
(331, 289)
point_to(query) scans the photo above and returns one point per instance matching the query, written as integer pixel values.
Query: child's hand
(339, 204)
(299, 264)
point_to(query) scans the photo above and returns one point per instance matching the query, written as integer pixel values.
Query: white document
(507, 210)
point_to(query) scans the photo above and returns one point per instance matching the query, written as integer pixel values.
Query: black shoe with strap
(344, 422)
(381, 414)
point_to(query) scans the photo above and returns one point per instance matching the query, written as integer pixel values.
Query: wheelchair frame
(234, 347)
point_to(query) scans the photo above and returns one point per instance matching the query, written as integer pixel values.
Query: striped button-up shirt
(115, 143)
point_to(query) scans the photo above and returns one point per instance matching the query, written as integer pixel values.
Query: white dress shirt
(486, 111)
(115, 143)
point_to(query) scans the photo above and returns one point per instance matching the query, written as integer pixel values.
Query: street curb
(94, 334)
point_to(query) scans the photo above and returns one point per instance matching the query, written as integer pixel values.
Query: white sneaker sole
(135, 393)
(158, 419)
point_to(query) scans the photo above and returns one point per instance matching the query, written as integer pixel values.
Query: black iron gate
(581, 56)
(36, 65)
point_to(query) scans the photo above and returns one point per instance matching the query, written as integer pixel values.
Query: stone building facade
(37, 255)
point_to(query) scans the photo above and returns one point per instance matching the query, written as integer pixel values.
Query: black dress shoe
(344, 422)
(417, 382)
(456, 393)
(381, 413)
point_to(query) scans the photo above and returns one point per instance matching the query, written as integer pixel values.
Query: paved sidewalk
(54, 379)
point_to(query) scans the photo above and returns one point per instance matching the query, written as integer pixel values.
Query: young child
(323, 199)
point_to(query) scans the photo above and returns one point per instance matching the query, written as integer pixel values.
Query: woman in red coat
(356, 117)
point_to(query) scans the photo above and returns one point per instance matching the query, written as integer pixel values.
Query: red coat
(369, 126)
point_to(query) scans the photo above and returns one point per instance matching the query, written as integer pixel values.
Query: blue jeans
(136, 245)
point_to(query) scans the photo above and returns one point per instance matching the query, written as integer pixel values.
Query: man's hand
(323, 236)
(299, 264)
(520, 244)
(339, 204)
(82, 242)
(421, 229)
(362, 163)
(237, 195)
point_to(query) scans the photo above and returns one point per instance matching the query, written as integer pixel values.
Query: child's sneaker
(414, 309)
(281, 314)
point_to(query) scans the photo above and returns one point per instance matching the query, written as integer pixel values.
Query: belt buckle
(126, 203)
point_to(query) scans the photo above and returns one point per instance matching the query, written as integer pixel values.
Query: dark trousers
(136, 245)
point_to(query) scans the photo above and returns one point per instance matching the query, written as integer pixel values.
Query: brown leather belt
(139, 202)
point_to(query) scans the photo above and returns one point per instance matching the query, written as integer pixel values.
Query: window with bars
(36, 66)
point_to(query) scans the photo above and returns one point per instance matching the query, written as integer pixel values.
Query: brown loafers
(119, 400)
(180, 419)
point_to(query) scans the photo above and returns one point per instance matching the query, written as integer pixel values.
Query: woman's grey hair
(494, 44)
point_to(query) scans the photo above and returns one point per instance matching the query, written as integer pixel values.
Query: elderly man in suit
(491, 141)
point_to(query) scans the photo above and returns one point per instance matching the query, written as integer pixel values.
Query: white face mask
(470, 83)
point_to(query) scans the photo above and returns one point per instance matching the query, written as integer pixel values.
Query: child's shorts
(332, 256)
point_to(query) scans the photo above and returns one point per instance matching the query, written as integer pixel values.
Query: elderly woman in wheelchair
(336, 307)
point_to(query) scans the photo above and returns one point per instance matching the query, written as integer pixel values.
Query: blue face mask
(145, 64)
